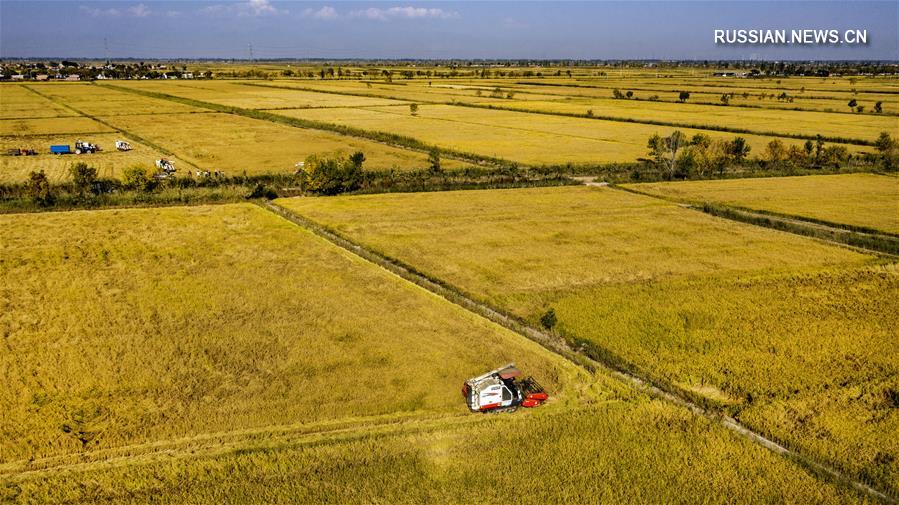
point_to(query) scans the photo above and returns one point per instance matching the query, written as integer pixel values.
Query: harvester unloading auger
(499, 391)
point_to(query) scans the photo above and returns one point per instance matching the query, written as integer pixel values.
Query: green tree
(776, 152)
(434, 161)
(413, 109)
(39, 189)
(738, 149)
(331, 174)
(629, 94)
(664, 150)
(357, 159)
(887, 147)
(853, 103)
(137, 178)
(683, 96)
(616, 93)
(84, 178)
(725, 98)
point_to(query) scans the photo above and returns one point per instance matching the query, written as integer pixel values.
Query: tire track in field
(219, 443)
(556, 344)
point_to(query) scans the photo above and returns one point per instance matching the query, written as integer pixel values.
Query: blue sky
(508, 29)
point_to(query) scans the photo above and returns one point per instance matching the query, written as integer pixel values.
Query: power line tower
(250, 50)
(106, 49)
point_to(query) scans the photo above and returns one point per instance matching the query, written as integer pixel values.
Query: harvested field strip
(607, 362)
(213, 443)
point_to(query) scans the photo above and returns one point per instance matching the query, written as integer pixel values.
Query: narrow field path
(558, 345)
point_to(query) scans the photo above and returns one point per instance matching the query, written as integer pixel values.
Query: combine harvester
(499, 391)
(166, 169)
(121, 145)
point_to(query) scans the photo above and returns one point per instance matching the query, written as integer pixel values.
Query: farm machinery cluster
(165, 167)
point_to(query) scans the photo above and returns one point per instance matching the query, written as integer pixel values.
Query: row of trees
(681, 157)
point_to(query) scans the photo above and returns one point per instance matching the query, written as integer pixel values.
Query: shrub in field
(263, 191)
(138, 178)
(39, 188)
(332, 174)
(83, 177)
(434, 161)
(887, 147)
(548, 319)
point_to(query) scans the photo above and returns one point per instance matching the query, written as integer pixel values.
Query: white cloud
(407, 12)
(325, 13)
(138, 11)
(95, 12)
(247, 8)
(260, 7)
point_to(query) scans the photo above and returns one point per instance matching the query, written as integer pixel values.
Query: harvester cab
(501, 390)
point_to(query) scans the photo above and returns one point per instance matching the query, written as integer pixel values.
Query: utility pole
(106, 49)
(250, 50)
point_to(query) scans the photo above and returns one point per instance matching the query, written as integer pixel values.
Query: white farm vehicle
(166, 169)
(499, 390)
(165, 166)
(121, 145)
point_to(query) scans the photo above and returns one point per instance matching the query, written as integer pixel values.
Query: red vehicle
(500, 390)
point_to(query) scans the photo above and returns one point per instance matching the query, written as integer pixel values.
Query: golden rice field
(128, 327)
(810, 358)
(522, 248)
(97, 100)
(238, 94)
(420, 91)
(238, 144)
(707, 304)
(109, 162)
(16, 102)
(220, 354)
(17, 128)
(517, 136)
(612, 453)
(861, 127)
(862, 200)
